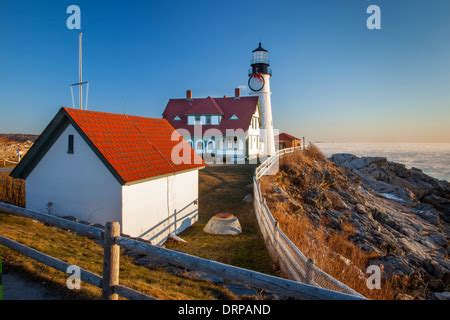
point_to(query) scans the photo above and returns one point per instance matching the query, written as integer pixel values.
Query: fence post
(111, 256)
(175, 221)
(276, 236)
(309, 271)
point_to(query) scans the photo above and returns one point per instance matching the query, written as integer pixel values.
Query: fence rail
(8, 161)
(113, 241)
(293, 263)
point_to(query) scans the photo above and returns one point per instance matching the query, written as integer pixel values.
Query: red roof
(137, 148)
(204, 106)
(286, 137)
(244, 108)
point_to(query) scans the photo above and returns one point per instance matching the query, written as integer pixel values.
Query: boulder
(223, 224)
(432, 216)
(360, 209)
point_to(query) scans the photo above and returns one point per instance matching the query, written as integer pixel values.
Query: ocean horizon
(432, 158)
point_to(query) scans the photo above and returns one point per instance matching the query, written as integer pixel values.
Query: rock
(393, 265)
(438, 270)
(432, 216)
(436, 285)
(85, 222)
(100, 226)
(441, 204)
(439, 239)
(360, 209)
(223, 224)
(248, 198)
(326, 203)
(442, 295)
(335, 219)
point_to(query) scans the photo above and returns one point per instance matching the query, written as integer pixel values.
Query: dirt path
(18, 287)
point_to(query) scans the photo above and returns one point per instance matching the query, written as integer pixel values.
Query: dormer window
(234, 117)
(177, 118)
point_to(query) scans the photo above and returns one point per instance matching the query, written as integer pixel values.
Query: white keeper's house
(101, 167)
(238, 127)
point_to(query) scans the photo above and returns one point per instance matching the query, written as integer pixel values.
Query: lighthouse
(259, 85)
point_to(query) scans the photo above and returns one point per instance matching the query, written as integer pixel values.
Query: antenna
(80, 69)
(80, 77)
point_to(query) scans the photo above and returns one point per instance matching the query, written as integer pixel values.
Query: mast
(80, 70)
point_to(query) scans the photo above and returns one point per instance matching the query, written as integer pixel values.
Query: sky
(333, 78)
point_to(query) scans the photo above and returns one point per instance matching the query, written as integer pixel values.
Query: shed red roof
(133, 148)
(244, 108)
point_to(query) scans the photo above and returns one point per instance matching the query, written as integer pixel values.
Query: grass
(12, 190)
(222, 189)
(310, 177)
(87, 254)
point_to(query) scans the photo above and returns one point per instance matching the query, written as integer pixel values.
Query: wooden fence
(109, 281)
(293, 263)
(4, 161)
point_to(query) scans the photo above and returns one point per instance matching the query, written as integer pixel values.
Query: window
(208, 119)
(234, 117)
(197, 119)
(177, 118)
(70, 144)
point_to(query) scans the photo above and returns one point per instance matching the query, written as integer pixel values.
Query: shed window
(70, 144)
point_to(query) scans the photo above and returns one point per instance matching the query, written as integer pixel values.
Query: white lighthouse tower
(259, 84)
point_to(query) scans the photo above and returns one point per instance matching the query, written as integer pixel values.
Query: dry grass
(12, 190)
(331, 250)
(87, 254)
(222, 189)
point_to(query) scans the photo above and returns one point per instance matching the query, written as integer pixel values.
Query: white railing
(293, 263)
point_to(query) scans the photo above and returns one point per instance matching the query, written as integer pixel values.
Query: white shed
(100, 167)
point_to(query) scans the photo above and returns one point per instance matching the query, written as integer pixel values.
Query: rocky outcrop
(404, 218)
(398, 216)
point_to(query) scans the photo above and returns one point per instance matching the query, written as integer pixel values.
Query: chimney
(237, 93)
(188, 94)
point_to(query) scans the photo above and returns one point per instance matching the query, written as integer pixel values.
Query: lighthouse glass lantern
(260, 61)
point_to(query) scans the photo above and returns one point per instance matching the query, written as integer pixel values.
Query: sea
(432, 158)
